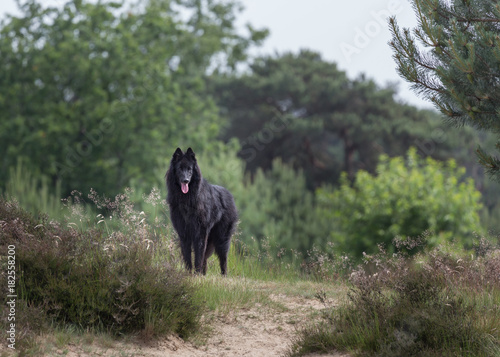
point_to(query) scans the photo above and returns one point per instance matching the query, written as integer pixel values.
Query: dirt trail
(259, 331)
(256, 331)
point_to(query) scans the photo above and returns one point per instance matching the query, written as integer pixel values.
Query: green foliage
(432, 305)
(115, 280)
(405, 198)
(221, 166)
(457, 70)
(278, 211)
(91, 92)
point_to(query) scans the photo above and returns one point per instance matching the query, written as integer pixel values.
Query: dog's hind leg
(222, 254)
(222, 249)
(224, 244)
(220, 240)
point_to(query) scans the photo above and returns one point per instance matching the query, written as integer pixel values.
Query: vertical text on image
(11, 296)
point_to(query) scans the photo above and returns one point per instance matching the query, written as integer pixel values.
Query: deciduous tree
(95, 94)
(407, 197)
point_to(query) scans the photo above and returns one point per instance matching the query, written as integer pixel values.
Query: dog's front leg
(186, 252)
(200, 246)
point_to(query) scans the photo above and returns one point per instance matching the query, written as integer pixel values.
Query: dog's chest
(190, 212)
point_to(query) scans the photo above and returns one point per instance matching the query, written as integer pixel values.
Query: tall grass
(270, 263)
(33, 192)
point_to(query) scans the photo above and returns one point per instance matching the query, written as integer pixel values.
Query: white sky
(352, 33)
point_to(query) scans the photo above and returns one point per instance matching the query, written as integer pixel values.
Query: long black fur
(205, 217)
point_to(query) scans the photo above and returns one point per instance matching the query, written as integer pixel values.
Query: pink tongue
(184, 187)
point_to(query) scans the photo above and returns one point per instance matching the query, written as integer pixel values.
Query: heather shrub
(119, 277)
(434, 304)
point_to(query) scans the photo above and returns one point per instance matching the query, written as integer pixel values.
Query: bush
(434, 305)
(406, 198)
(120, 281)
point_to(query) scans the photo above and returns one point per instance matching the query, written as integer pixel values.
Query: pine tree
(458, 68)
(308, 113)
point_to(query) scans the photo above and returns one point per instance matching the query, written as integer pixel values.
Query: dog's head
(184, 168)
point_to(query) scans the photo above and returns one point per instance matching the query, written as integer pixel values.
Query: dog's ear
(190, 152)
(177, 154)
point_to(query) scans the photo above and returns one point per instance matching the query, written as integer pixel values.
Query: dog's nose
(185, 181)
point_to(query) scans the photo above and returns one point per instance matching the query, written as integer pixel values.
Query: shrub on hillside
(118, 280)
(438, 304)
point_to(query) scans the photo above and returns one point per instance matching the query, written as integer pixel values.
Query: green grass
(225, 294)
(32, 192)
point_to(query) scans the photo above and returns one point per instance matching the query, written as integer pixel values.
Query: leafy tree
(458, 67)
(94, 95)
(305, 111)
(406, 198)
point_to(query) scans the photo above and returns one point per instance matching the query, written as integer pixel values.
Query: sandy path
(256, 331)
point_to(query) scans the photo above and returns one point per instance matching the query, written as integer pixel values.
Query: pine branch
(490, 163)
(478, 20)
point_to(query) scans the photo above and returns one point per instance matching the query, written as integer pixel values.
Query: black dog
(203, 215)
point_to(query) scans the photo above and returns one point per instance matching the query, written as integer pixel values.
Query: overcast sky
(352, 33)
